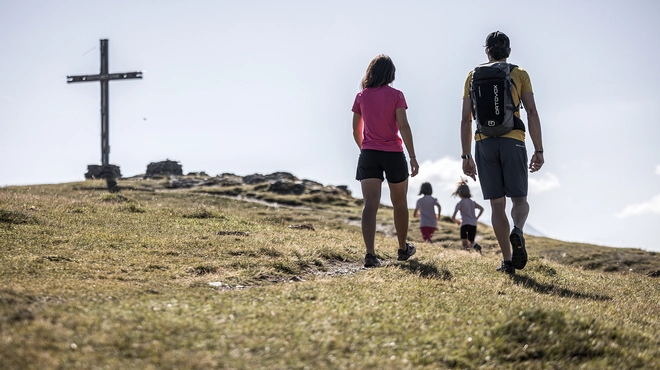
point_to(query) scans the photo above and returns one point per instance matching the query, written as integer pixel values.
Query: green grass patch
(182, 278)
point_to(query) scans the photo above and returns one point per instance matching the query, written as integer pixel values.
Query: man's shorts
(502, 167)
(468, 232)
(372, 164)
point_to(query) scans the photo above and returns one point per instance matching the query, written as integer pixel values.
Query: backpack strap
(518, 123)
(472, 108)
(513, 83)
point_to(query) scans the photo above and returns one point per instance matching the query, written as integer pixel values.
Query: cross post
(107, 171)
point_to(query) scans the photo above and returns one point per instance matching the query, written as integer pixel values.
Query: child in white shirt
(425, 210)
(468, 221)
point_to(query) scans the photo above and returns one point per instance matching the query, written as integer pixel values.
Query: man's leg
(371, 189)
(398, 195)
(501, 226)
(519, 211)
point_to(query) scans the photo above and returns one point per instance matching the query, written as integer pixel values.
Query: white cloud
(545, 182)
(652, 206)
(657, 169)
(443, 174)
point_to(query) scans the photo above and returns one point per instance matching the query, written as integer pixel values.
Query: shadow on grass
(16, 217)
(529, 282)
(426, 270)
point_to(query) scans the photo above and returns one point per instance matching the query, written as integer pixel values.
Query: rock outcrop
(163, 168)
(95, 172)
(278, 182)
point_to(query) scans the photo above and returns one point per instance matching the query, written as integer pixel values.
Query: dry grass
(96, 280)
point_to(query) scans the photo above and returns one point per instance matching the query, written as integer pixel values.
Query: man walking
(501, 158)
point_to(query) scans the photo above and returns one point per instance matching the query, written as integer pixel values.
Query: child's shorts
(468, 232)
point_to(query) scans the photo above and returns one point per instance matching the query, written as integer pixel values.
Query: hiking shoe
(410, 250)
(477, 247)
(519, 257)
(507, 267)
(371, 261)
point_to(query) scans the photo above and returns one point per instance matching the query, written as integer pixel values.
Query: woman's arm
(357, 129)
(406, 135)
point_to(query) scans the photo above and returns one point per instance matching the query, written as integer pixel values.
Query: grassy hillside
(153, 277)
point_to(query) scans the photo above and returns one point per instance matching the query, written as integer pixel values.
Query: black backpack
(492, 99)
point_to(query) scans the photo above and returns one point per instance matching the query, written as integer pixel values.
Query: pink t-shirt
(378, 106)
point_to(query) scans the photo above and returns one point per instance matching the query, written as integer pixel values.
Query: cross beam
(104, 77)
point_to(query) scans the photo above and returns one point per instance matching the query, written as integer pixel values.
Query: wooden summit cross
(106, 171)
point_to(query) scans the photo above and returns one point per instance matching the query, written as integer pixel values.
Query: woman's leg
(371, 189)
(398, 195)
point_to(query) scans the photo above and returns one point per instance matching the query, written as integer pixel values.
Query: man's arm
(357, 129)
(534, 124)
(406, 135)
(469, 168)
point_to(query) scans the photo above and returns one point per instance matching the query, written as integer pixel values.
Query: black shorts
(502, 167)
(372, 164)
(468, 232)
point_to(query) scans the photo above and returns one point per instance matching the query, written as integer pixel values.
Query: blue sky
(263, 86)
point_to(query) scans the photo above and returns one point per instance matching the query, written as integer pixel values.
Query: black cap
(497, 38)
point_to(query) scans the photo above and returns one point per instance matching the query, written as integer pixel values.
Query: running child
(425, 210)
(379, 116)
(468, 221)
